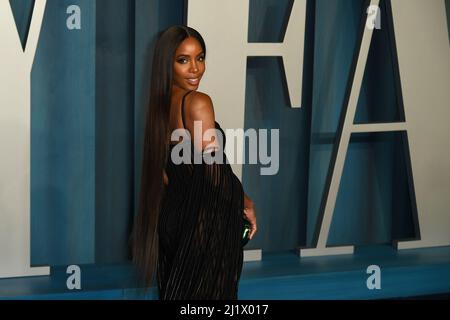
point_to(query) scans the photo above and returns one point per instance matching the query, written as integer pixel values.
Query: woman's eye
(202, 58)
(182, 60)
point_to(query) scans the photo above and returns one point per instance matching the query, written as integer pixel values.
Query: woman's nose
(194, 67)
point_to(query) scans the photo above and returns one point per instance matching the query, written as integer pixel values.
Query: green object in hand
(246, 226)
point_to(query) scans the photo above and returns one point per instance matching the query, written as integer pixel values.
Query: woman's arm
(250, 214)
(166, 179)
(248, 203)
(200, 108)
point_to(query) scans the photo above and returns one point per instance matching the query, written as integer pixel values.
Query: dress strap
(182, 109)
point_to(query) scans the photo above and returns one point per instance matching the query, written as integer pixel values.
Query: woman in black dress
(188, 230)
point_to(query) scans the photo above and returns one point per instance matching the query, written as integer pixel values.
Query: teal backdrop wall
(89, 93)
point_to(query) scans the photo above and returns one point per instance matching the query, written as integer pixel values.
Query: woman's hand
(250, 215)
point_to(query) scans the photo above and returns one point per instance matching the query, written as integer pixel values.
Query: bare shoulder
(200, 109)
(199, 106)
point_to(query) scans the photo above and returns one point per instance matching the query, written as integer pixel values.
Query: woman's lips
(193, 81)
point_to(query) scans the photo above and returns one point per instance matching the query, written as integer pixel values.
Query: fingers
(253, 231)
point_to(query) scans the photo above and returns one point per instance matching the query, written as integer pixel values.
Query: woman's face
(189, 64)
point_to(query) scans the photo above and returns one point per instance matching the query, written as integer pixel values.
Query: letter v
(9, 36)
(15, 125)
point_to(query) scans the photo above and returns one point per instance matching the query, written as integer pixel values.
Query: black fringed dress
(199, 230)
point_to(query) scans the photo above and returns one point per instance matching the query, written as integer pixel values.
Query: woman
(189, 225)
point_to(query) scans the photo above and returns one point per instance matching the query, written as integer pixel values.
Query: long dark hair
(144, 237)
